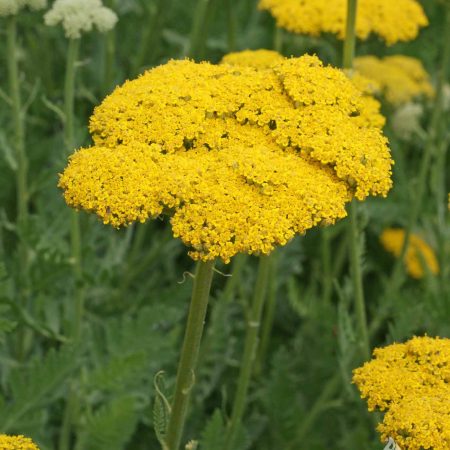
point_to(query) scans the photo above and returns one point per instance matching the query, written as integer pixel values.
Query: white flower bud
(80, 16)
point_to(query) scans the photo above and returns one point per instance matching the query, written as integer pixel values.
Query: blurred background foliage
(136, 280)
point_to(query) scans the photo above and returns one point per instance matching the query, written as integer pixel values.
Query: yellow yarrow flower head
(80, 16)
(16, 443)
(401, 78)
(411, 383)
(392, 21)
(241, 160)
(265, 59)
(12, 7)
(418, 250)
(259, 59)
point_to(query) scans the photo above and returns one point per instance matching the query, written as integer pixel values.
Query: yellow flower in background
(259, 59)
(401, 78)
(393, 21)
(241, 160)
(410, 382)
(265, 59)
(418, 251)
(16, 443)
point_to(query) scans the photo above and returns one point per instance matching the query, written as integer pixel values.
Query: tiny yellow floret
(401, 78)
(418, 251)
(393, 21)
(240, 159)
(411, 383)
(16, 443)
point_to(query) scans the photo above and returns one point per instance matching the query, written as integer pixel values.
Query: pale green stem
(250, 348)
(109, 43)
(269, 314)
(198, 32)
(356, 263)
(150, 34)
(350, 35)
(231, 25)
(354, 233)
(75, 234)
(327, 276)
(21, 171)
(18, 122)
(278, 39)
(189, 353)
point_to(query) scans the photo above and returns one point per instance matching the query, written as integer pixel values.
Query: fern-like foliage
(110, 427)
(212, 437)
(36, 385)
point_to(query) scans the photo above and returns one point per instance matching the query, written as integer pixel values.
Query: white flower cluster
(80, 16)
(12, 7)
(406, 120)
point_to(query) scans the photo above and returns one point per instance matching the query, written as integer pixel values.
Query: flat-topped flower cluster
(241, 160)
(393, 21)
(411, 382)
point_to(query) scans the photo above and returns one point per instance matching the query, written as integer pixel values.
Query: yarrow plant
(417, 254)
(391, 21)
(410, 383)
(80, 16)
(16, 443)
(400, 78)
(239, 159)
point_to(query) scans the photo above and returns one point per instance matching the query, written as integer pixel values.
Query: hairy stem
(189, 353)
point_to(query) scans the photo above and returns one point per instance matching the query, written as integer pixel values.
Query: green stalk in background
(269, 313)
(109, 55)
(21, 170)
(155, 17)
(69, 136)
(199, 29)
(189, 353)
(231, 25)
(250, 348)
(75, 238)
(431, 146)
(354, 233)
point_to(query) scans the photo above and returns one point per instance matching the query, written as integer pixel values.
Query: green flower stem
(239, 262)
(250, 348)
(189, 353)
(18, 122)
(350, 35)
(21, 170)
(431, 144)
(278, 39)
(356, 263)
(354, 234)
(69, 136)
(231, 25)
(155, 18)
(269, 313)
(327, 275)
(75, 234)
(198, 32)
